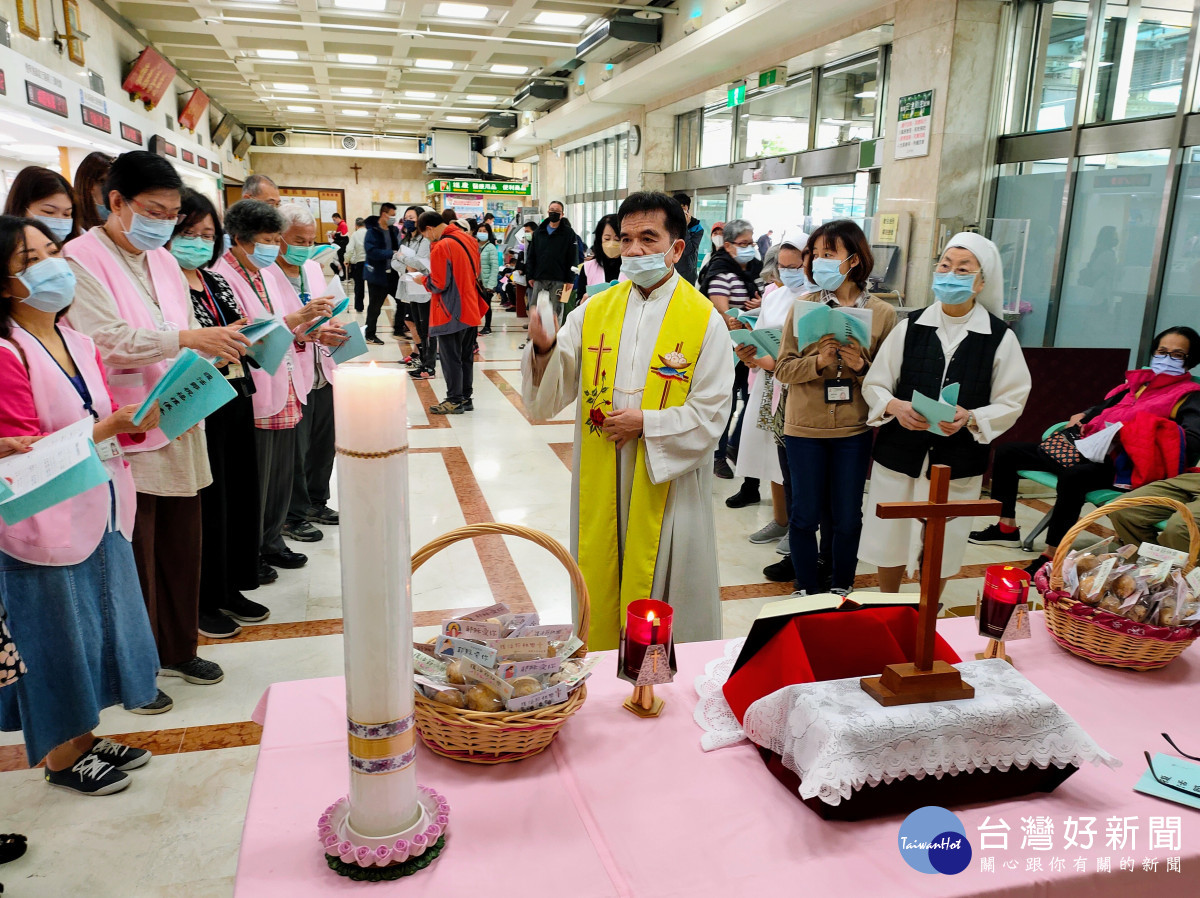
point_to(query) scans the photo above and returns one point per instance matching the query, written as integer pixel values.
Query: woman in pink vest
(132, 300)
(262, 291)
(67, 574)
(1164, 390)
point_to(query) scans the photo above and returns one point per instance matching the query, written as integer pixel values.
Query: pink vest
(271, 390)
(594, 272)
(131, 385)
(1161, 394)
(314, 280)
(69, 532)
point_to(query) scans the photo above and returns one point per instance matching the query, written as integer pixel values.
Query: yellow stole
(614, 582)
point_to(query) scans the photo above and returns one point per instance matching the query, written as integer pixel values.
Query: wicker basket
(1103, 637)
(486, 737)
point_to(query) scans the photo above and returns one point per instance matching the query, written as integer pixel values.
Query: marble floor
(175, 831)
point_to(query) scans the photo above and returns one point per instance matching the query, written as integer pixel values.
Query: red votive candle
(647, 623)
(1004, 587)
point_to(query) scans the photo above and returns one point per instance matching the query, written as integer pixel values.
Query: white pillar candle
(372, 474)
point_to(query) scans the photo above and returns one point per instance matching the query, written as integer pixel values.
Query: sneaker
(799, 593)
(266, 574)
(216, 625)
(467, 405)
(771, 533)
(446, 407)
(420, 374)
(374, 341)
(161, 704)
(197, 671)
(89, 776)
(485, 332)
(123, 757)
(302, 531)
(838, 591)
(322, 515)
(742, 498)
(781, 571)
(784, 546)
(241, 608)
(722, 470)
(286, 559)
(12, 846)
(994, 536)
(1037, 564)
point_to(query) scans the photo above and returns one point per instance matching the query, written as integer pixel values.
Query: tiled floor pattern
(175, 831)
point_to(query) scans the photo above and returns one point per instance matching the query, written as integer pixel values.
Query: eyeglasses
(946, 268)
(1180, 356)
(737, 243)
(1193, 791)
(158, 214)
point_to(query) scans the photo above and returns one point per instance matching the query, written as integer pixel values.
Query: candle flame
(372, 366)
(650, 616)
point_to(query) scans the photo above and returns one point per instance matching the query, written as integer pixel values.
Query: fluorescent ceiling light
(420, 94)
(360, 58)
(836, 121)
(510, 69)
(301, 109)
(461, 119)
(373, 5)
(433, 63)
(461, 11)
(408, 115)
(357, 113)
(358, 91)
(569, 19)
(866, 95)
(482, 98)
(291, 88)
(278, 54)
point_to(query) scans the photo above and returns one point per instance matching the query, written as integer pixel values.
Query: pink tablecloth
(628, 807)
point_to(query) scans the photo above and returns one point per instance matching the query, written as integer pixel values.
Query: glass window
(589, 168)
(1056, 81)
(687, 140)
(1031, 192)
(610, 164)
(716, 139)
(570, 172)
(1180, 300)
(775, 123)
(1113, 224)
(623, 162)
(846, 102)
(1149, 51)
(850, 200)
(709, 207)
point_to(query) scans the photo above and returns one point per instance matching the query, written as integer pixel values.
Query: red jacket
(453, 270)
(1155, 449)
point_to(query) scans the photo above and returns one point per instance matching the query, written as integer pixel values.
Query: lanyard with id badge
(231, 370)
(838, 390)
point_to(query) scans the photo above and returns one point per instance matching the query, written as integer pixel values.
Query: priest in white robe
(650, 365)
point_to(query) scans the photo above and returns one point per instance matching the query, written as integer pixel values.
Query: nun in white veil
(968, 288)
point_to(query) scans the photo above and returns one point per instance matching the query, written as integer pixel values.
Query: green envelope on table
(355, 345)
(815, 320)
(1181, 773)
(60, 466)
(934, 411)
(269, 341)
(190, 391)
(766, 341)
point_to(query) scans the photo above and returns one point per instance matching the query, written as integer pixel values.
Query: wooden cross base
(903, 684)
(643, 703)
(995, 649)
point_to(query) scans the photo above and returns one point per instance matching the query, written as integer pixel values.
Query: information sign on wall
(913, 125)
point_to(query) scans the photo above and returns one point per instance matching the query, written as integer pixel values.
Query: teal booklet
(1176, 771)
(354, 346)
(815, 320)
(190, 391)
(59, 467)
(935, 412)
(747, 318)
(269, 341)
(600, 288)
(340, 302)
(766, 341)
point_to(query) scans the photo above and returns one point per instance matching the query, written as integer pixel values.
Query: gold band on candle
(354, 453)
(374, 749)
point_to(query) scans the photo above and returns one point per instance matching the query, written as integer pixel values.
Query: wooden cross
(600, 351)
(926, 680)
(356, 168)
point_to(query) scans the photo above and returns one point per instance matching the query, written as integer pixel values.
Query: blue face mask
(953, 289)
(102, 211)
(746, 254)
(61, 228)
(297, 255)
(51, 285)
(228, 243)
(795, 279)
(828, 273)
(148, 234)
(647, 270)
(1164, 364)
(264, 255)
(192, 252)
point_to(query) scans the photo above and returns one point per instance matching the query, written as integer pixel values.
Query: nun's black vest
(970, 367)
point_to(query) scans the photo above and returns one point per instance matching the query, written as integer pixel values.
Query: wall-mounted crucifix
(356, 168)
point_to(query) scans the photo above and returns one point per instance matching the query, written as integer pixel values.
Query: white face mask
(647, 270)
(718, 241)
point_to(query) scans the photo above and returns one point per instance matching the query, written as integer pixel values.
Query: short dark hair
(418, 209)
(34, 184)
(335, 215)
(559, 202)
(1189, 334)
(682, 198)
(449, 215)
(384, 207)
(850, 237)
(12, 241)
(137, 172)
(358, 222)
(193, 209)
(487, 215)
(654, 201)
(430, 219)
(252, 186)
(491, 237)
(246, 219)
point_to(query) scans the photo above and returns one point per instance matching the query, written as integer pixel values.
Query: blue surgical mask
(298, 255)
(746, 254)
(61, 228)
(51, 285)
(828, 273)
(148, 234)
(1164, 364)
(795, 279)
(647, 270)
(953, 289)
(192, 252)
(102, 211)
(264, 255)
(228, 243)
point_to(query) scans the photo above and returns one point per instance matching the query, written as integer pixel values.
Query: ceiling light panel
(502, 69)
(277, 54)
(371, 5)
(301, 108)
(434, 64)
(290, 88)
(482, 98)
(408, 115)
(357, 113)
(459, 119)
(357, 58)
(564, 19)
(462, 11)
(420, 94)
(357, 91)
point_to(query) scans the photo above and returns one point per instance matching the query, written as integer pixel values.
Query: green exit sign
(775, 77)
(736, 95)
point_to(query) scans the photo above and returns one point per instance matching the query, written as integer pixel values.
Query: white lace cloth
(713, 714)
(837, 738)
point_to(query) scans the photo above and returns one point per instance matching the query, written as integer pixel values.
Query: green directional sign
(490, 188)
(736, 95)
